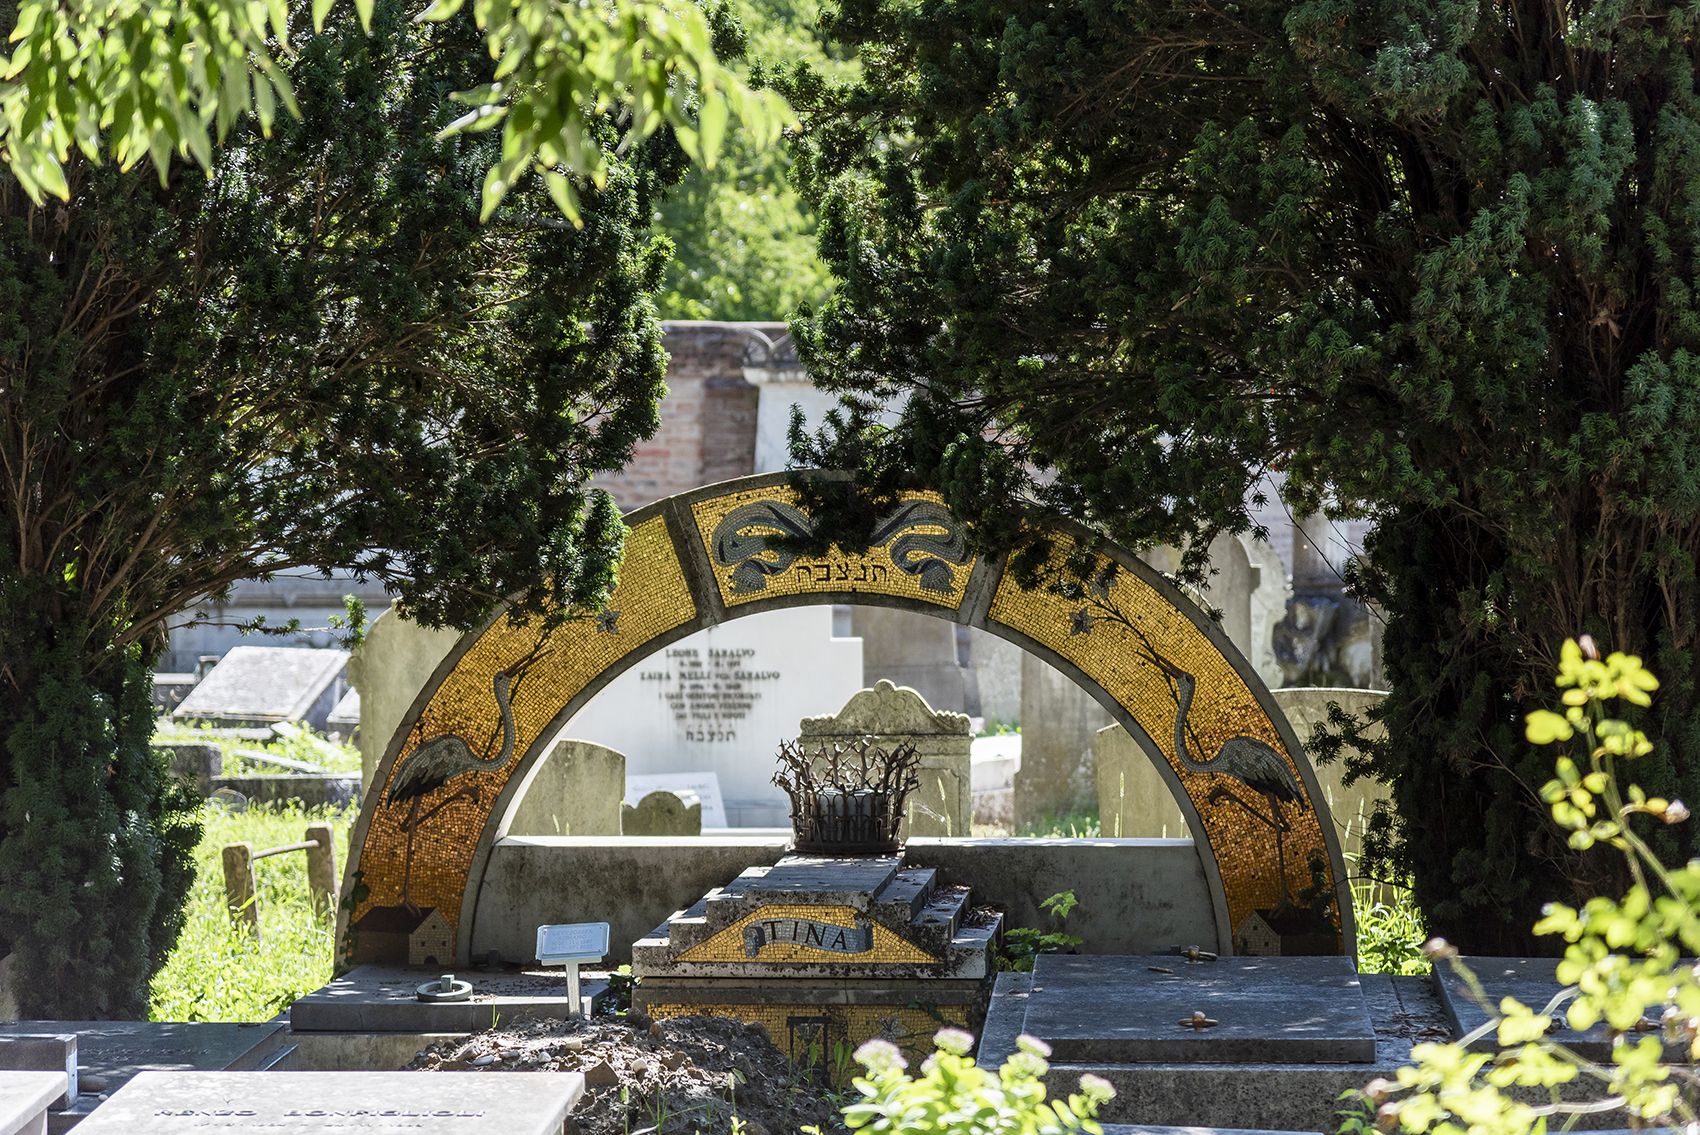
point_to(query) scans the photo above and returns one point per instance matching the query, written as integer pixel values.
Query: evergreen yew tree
(316, 357)
(1434, 261)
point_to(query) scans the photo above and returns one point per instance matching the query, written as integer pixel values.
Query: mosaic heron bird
(436, 762)
(1253, 763)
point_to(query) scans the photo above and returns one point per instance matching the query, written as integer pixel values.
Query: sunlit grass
(217, 972)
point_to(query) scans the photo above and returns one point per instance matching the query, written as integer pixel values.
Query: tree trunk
(96, 837)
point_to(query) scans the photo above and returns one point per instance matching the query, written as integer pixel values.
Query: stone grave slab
(262, 684)
(24, 1099)
(380, 998)
(705, 784)
(285, 1103)
(47, 1052)
(1533, 981)
(1128, 1009)
(110, 1052)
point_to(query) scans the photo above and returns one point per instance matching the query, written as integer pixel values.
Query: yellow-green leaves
(138, 79)
(1623, 965)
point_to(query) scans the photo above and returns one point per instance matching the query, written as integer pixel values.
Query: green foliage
(1021, 944)
(1391, 932)
(95, 835)
(140, 79)
(1063, 825)
(293, 741)
(316, 358)
(953, 1096)
(1623, 958)
(220, 973)
(744, 240)
(1434, 262)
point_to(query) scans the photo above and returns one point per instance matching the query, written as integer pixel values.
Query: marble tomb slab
(43, 1052)
(1128, 1009)
(299, 1103)
(24, 1099)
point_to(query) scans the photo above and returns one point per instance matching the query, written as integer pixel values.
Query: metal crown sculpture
(847, 799)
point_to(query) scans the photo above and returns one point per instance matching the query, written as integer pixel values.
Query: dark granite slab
(1532, 981)
(109, 1053)
(374, 998)
(1129, 1009)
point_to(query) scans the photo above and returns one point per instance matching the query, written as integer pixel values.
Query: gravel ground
(683, 1074)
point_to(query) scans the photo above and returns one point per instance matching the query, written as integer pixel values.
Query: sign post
(571, 944)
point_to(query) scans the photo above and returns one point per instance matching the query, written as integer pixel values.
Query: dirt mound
(684, 1074)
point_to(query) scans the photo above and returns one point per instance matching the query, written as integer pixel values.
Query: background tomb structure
(1196, 707)
(943, 804)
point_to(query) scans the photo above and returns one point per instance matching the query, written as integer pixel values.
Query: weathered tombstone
(1350, 805)
(284, 1103)
(389, 668)
(943, 804)
(576, 789)
(706, 785)
(1058, 720)
(714, 698)
(259, 685)
(995, 670)
(913, 650)
(194, 761)
(663, 813)
(1134, 802)
(24, 1099)
(8, 999)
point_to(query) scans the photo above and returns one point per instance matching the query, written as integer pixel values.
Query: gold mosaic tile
(1116, 636)
(650, 599)
(1126, 637)
(922, 555)
(729, 944)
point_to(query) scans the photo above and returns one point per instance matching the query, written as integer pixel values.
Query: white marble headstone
(721, 701)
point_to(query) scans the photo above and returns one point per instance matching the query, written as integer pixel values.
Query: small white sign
(705, 784)
(572, 942)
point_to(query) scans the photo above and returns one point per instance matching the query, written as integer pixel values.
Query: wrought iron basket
(847, 799)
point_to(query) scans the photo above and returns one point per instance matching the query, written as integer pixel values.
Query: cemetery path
(679, 1075)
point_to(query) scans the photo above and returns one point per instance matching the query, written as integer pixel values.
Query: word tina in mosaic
(808, 932)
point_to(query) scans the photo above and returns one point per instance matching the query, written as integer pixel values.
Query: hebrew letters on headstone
(721, 700)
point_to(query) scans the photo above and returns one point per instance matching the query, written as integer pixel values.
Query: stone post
(240, 894)
(321, 868)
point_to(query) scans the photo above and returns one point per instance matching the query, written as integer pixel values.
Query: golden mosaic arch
(1157, 662)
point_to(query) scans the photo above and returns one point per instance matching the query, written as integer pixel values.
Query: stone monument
(663, 813)
(700, 704)
(576, 789)
(839, 942)
(943, 804)
(261, 685)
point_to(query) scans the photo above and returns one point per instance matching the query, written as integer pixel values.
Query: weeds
(217, 972)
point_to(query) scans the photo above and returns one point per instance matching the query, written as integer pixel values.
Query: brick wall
(708, 419)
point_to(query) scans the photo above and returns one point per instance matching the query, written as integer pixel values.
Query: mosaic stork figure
(436, 762)
(1246, 759)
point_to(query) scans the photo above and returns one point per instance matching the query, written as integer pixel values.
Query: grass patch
(289, 739)
(219, 973)
(1067, 825)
